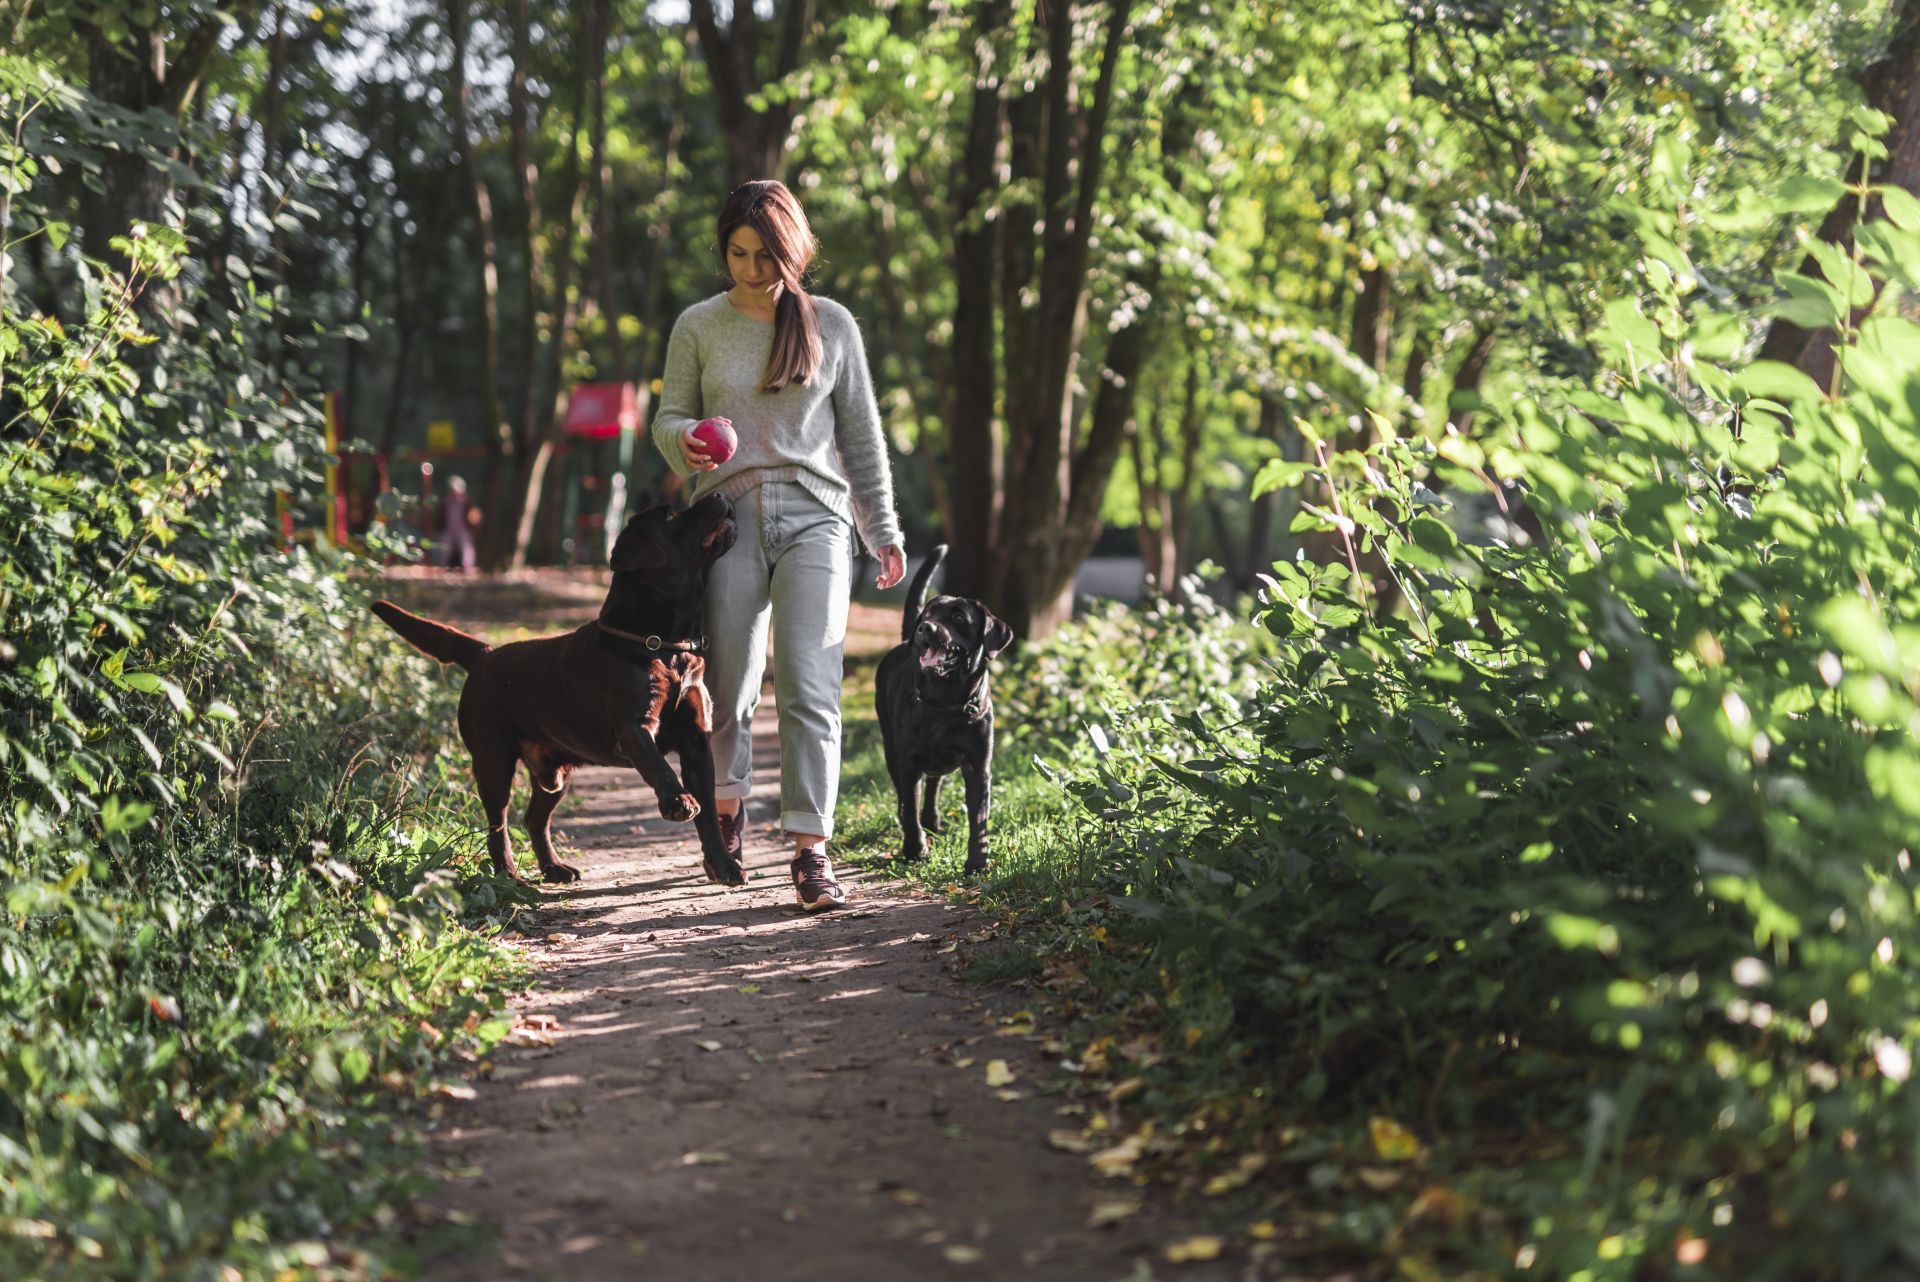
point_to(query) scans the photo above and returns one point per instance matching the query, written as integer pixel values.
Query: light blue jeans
(793, 561)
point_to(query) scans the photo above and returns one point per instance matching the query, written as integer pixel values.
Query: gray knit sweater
(825, 434)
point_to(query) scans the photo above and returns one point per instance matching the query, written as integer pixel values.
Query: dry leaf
(1263, 1230)
(965, 1061)
(710, 1045)
(1249, 1166)
(749, 989)
(907, 1197)
(706, 1159)
(1009, 1096)
(1132, 1086)
(1119, 1159)
(164, 1007)
(1378, 1178)
(562, 937)
(998, 1074)
(1203, 1247)
(452, 1090)
(959, 1253)
(1069, 1141)
(1110, 1211)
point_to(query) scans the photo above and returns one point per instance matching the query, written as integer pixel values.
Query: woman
(788, 372)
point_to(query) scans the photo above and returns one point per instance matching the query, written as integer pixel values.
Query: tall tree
(743, 69)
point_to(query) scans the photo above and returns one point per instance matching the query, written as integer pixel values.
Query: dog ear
(637, 548)
(995, 635)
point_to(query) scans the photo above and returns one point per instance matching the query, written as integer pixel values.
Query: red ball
(716, 439)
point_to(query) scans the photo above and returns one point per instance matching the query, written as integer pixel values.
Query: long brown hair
(775, 216)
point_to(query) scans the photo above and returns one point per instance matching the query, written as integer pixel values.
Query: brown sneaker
(813, 883)
(731, 828)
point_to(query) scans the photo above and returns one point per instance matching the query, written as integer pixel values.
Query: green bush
(1597, 851)
(232, 941)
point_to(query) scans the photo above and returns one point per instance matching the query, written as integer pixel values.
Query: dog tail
(917, 594)
(435, 640)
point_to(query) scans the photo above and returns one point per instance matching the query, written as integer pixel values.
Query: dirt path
(738, 1090)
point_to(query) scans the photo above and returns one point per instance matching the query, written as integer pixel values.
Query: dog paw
(976, 863)
(559, 872)
(933, 824)
(679, 808)
(912, 856)
(723, 872)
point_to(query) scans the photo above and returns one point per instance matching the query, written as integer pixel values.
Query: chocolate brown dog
(935, 711)
(620, 691)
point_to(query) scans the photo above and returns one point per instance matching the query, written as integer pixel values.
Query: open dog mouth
(940, 660)
(720, 537)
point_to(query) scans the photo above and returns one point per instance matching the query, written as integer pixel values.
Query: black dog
(620, 691)
(936, 713)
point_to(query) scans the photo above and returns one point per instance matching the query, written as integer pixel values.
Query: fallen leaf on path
(706, 1159)
(1119, 1159)
(1249, 1166)
(1203, 1247)
(711, 1045)
(946, 948)
(1263, 1230)
(1009, 1096)
(965, 1061)
(998, 1074)
(1132, 1086)
(1069, 1141)
(749, 989)
(1110, 1211)
(1378, 1178)
(960, 1253)
(452, 1090)
(550, 1023)
(562, 937)
(907, 1197)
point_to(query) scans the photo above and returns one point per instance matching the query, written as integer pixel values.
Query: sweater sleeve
(679, 396)
(863, 447)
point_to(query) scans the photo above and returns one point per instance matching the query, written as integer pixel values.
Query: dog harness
(690, 645)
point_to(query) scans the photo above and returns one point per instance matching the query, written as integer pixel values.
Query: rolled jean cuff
(801, 823)
(732, 791)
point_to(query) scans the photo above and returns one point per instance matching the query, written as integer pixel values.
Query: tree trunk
(533, 489)
(1372, 319)
(1891, 85)
(1036, 564)
(1472, 370)
(973, 432)
(661, 236)
(1181, 511)
(141, 73)
(501, 445)
(756, 139)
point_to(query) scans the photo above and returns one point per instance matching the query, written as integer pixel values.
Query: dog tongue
(932, 658)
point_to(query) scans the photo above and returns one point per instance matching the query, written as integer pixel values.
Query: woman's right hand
(697, 457)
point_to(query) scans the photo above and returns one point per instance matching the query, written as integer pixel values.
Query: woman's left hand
(893, 566)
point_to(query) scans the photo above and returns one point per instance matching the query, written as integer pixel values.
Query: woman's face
(749, 262)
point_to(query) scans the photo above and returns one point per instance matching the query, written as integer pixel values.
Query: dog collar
(975, 705)
(690, 645)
